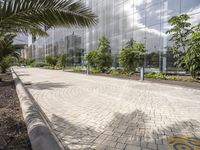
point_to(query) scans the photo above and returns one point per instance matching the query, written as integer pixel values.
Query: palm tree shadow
(46, 85)
(127, 129)
(23, 74)
(121, 128)
(73, 136)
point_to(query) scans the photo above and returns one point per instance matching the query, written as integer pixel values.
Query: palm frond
(33, 15)
(6, 40)
(6, 47)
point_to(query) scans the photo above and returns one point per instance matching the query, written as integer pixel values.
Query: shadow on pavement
(46, 85)
(23, 74)
(126, 130)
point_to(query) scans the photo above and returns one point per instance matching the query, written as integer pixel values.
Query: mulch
(13, 131)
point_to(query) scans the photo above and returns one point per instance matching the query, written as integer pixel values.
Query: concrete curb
(39, 132)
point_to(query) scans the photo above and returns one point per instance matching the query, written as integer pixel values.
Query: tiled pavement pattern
(90, 112)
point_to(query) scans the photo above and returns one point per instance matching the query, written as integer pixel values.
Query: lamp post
(87, 69)
(142, 70)
(86, 64)
(141, 73)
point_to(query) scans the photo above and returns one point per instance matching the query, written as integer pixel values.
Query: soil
(13, 131)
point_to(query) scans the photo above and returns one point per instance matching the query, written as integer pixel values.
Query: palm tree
(6, 48)
(32, 16)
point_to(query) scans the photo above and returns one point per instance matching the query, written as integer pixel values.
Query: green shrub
(61, 63)
(115, 72)
(39, 64)
(100, 58)
(154, 75)
(48, 67)
(29, 61)
(175, 78)
(51, 60)
(76, 69)
(92, 58)
(182, 78)
(58, 67)
(95, 70)
(104, 55)
(191, 79)
(5, 63)
(132, 56)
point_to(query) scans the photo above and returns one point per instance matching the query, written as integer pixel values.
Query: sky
(194, 6)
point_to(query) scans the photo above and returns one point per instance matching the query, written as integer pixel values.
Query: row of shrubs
(130, 57)
(152, 75)
(49, 62)
(112, 72)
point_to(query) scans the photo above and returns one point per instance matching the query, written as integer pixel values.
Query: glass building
(145, 21)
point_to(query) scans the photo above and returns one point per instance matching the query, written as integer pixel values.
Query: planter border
(42, 136)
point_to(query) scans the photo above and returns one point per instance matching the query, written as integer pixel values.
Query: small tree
(104, 55)
(92, 58)
(62, 60)
(29, 61)
(6, 62)
(6, 51)
(180, 36)
(131, 56)
(192, 57)
(51, 60)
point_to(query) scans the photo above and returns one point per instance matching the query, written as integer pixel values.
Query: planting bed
(13, 132)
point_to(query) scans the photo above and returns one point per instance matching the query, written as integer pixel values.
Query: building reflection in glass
(121, 20)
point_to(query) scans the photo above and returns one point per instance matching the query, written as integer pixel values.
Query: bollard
(142, 74)
(87, 69)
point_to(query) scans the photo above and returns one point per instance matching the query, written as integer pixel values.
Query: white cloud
(195, 15)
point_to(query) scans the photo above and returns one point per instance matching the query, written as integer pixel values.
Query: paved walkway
(90, 112)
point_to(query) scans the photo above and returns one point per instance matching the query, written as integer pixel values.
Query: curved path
(90, 112)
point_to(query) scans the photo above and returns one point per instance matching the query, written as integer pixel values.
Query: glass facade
(120, 20)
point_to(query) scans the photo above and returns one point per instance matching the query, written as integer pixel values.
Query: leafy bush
(180, 33)
(185, 43)
(48, 67)
(131, 56)
(95, 70)
(39, 64)
(58, 67)
(154, 75)
(183, 78)
(51, 60)
(5, 63)
(61, 63)
(115, 72)
(173, 78)
(92, 58)
(76, 69)
(101, 58)
(104, 55)
(29, 61)
(192, 57)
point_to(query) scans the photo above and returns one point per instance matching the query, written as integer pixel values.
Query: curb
(40, 134)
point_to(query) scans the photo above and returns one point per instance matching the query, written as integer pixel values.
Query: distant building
(70, 45)
(73, 50)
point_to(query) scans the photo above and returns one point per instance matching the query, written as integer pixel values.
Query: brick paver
(90, 112)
